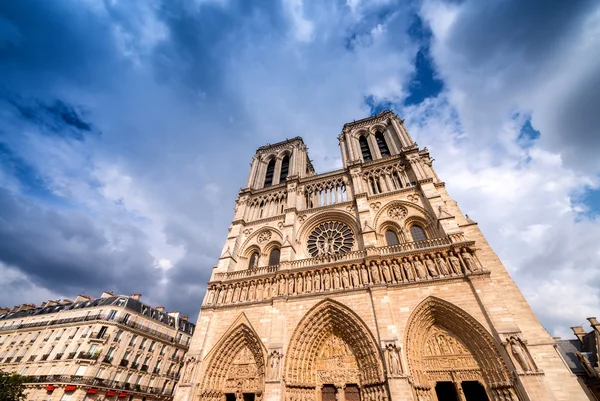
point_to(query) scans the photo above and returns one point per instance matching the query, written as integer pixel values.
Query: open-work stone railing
(446, 257)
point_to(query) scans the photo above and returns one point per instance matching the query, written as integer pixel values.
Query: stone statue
(397, 272)
(442, 265)
(274, 365)
(236, 293)
(345, 278)
(259, 290)
(191, 364)
(520, 354)
(419, 268)
(431, 266)
(354, 276)
(221, 296)
(229, 296)
(408, 270)
(317, 281)
(308, 282)
(326, 280)
(385, 270)
(291, 284)
(252, 291)
(454, 262)
(244, 293)
(299, 283)
(375, 272)
(281, 285)
(364, 274)
(393, 360)
(469, 262)
(210, 296)
(336, 279)
(273, 292)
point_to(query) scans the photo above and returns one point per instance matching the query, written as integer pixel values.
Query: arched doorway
(333, 356)
(235, 368)
(452, 357)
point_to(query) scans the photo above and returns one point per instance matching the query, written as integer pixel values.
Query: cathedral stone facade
(364, 283)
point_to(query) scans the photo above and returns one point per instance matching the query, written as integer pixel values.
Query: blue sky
(128, 128)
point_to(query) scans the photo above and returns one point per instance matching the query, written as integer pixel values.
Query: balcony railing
(144, 368)
(58, 356)
(18, 359)
(96, 382)
(32, 358)
(124, 362)
(134, 365)
(107, 359)
(44, 357)
(8, 360)
(88, 355)
(71, 355)
(97, 336)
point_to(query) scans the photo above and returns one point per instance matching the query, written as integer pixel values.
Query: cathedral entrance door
(328, 393)
(474, 391)
(445, 391)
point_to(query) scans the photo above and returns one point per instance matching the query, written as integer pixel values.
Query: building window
(112, 314)
(270, 173)
(285, 167)
(364, 148)
(391, 237)
(417, 233)
(253, 261)
(381, 144)
(274, 257)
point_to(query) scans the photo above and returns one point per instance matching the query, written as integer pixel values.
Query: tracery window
(417, 233)
(381, 144)
(391, 238)
(274, 257)
(253, 261)
(285, 167)
(270, 172)
(364, 148)
(330, 238)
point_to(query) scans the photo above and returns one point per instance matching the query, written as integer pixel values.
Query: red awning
(50, 387)
(70, 388)
(123, 394)
(110, 393)
(92, 390)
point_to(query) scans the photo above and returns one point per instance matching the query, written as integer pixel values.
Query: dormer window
(381, 144)
(364, 148)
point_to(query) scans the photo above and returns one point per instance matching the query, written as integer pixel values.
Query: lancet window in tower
(285, 166)
(270, 173)
(274, 257)
(364, 148)
(391, 238)
(381, 144)
(417, 233)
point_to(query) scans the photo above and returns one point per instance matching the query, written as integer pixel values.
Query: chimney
(184, 318)
(82, 298)
(65, 301)
(160, 308)
(4, 310)
(107, 294)
(136, 296)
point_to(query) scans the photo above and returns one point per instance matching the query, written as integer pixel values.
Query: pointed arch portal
(236, 365)
(449, 351)
(332, 350)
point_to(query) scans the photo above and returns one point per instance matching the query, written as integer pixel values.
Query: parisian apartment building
(113, 347)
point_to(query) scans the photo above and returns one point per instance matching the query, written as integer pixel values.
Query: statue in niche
(191, 365)
(229, 296)
(244, 293)
(385, 270)
(221, 296)
(364, 274)
(375, 272)
(397, 271)
(299, 283)
(354, 276)
(274, 359)
(393, 359)
(520, 354)
(317, 281)
(419, 268)
(281, 285)
(336, 279)
(252, 291)
(236, 293)
(210, 296)
(469, 262)
(345, 278)
(308, 281)
(454, 262)
(431, 266)
(273, 290)
(441, 265)
(291, 284)
(259, 290)
(326, 280)
(408, 270)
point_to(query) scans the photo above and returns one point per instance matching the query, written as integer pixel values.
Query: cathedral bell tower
(364, 283)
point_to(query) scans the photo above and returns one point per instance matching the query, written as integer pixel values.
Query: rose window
(330, 238)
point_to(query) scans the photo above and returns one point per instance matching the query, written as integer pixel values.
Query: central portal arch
(332, 354)
(449, 352)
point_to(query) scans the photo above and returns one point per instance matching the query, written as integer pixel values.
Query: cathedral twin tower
(364, 283)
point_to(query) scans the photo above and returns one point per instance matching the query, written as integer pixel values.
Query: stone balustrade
(420, 261)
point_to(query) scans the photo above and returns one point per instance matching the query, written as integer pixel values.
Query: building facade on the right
(364, 283)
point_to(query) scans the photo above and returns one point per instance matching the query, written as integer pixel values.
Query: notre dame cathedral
(364, 283)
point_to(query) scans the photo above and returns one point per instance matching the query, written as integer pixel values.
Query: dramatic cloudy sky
(127, 129)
